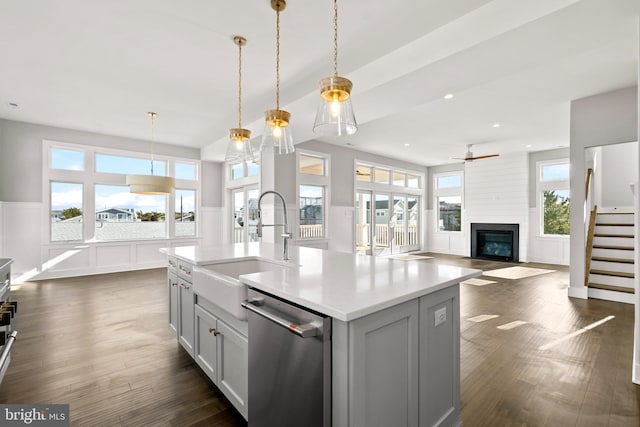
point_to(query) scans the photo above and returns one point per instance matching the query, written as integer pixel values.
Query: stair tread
(627, 236)
(621, 248)
(612, 273)
(613, 224)
(609, 259)
(612, 288)
(615, 213)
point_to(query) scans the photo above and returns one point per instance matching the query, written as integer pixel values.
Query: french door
(245, 215)
(386, 223)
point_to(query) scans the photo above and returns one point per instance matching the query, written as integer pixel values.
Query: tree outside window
(556, 212)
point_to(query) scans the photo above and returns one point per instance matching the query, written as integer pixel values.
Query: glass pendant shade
(335, 113)
(277, 132)
(239, 147)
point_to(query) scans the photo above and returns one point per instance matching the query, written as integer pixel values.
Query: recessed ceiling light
(527, 146)
(496, 125)
(407, 145)
(448, 96)
(12, 105)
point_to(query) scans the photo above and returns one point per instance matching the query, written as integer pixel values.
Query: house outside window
(554, 198)
(448, 198)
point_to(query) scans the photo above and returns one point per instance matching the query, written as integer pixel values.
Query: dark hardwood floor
(101, 344)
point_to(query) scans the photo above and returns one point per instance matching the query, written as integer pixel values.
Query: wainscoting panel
(113, 255)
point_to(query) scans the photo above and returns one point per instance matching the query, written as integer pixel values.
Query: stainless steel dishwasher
(289, 364)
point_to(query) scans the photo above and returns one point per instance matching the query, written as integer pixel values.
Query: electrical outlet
(440, 316)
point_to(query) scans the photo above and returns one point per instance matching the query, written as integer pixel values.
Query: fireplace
(495, 241)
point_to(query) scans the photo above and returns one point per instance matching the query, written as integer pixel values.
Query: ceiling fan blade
(482, 157)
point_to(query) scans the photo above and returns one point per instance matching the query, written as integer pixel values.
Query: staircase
(611, 266)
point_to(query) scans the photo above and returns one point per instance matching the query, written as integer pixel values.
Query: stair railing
(589, 248)
(591, 227)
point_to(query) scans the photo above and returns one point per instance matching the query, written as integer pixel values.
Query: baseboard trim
(578, 292)
(611, 296)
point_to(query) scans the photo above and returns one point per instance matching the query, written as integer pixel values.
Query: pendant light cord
(153, 140)
(335, 37)
(240, 84)
(278, 59)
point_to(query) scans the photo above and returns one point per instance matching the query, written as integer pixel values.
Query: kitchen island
(395, 328)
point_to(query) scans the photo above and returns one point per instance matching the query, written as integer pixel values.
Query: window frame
(315, 181)
(89, 178)
(550, 185)
(448, 192)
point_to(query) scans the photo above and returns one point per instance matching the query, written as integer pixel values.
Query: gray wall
(212, 183)
(599, 120)
(21, 155)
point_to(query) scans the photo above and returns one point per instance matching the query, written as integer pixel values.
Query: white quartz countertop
(341, 285)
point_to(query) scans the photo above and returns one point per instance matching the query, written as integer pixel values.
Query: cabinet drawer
(184, 271)
(173, 265)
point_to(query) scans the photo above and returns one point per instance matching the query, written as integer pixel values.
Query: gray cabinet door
(206, 342)
(440, 358)
(233, 366)
(383, 361)
(185, 313)
(172, 282)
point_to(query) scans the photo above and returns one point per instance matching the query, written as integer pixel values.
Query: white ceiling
(99, 66)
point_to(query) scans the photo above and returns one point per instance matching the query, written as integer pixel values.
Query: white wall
(619, 168)
(496, 191)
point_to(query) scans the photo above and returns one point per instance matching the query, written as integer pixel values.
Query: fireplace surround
(495, 241)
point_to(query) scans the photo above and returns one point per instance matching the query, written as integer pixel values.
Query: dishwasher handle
(303, 331)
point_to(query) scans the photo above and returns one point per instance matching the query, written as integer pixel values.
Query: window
(244, 170)
(448, 199)
(399, 178)
(381, 176)
(413, 181)
(124, 215)
(311, 211)
(313, 184)
(245, 215)
(554, 201)
(185, 212)
(114, 213)
(71, 160)
(106, 163)
(311, 165)
(185, 171)
(449, 213)
(66, 211)
(363, 173)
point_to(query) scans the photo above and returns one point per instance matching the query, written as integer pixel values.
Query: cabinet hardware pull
(214, 332)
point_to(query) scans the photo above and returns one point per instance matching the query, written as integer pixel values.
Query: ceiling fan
(468, 157)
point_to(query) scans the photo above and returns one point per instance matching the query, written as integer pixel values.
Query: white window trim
(318, 181)
(388, 187)
(89, 178)
(445, 192)
(542, 186)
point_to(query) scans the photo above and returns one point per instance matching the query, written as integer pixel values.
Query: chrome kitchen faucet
(286, 235)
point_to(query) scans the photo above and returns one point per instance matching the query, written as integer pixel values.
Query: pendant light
(277, 132)
(335, 113)
(151, 184)
(239, 148)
